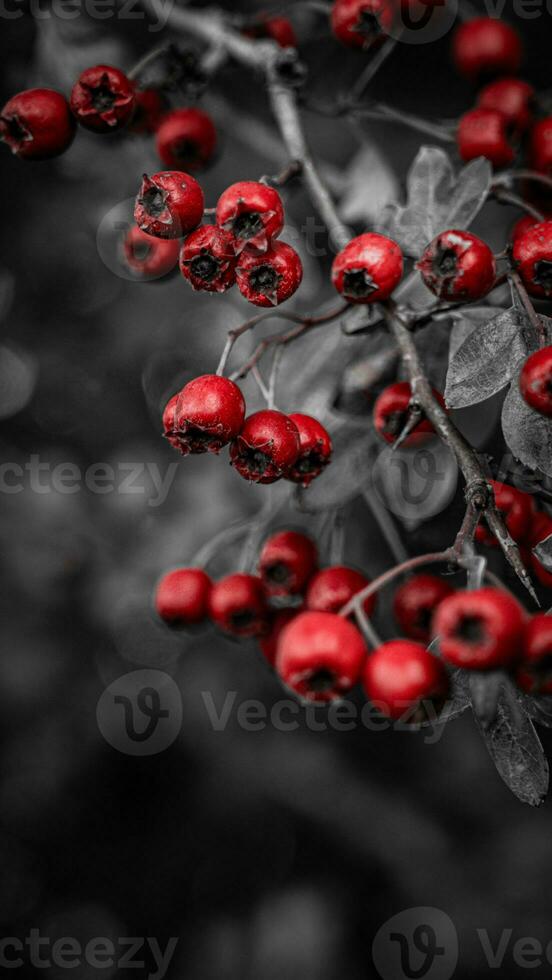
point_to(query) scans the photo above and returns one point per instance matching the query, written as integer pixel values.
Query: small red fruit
(269, 643)
(532, 256)
(252, 212)
(269, 278)
(516, 509)
(37, 124)
(287, 562)
(541, 528)
(535, 381)
(103, 99)
(391, 413)
(266, 447)
(534, 674)
(522, 225)
(368, 269)
(182, 596)
(487, 46)
(362, 23)
(513, 98)
(320, 656)
(479, 630)
(457, 266)
(186, 140)
(415, 603)
(238, 606)
(209, 413)
(277, 29)
(332, 588)
(169, 422)
(147, 257)
(401, 677)
(148, 109)
(169, 204)
(208, 259)
(315, 452)
(485, 133)
(540, 152)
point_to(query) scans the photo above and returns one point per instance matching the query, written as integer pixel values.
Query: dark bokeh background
(270, 854)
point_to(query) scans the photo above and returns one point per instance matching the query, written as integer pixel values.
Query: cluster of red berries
(209, 413)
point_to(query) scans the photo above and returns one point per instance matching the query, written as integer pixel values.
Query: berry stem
(382, 112)
(359, 87)
(434, 558)
(534, 318)
(508, 197)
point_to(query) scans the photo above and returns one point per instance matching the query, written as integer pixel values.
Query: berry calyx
(269, 278)
(392, 412)
(415, 602)
(458, 266)
(186, 140)
(149, 106)
(516, 509)
(269, 643)
(208, 259)
(535, 381)
(37, 124)
(534, 674)
(540, 150)
(182, 596)
(169, 204)
(479, 630)
(320, 656)
(532, 257)
(315, 450)
(332, 588)
(487, 46)
(485, 133)
(209, 413)
(362, 23)
(541, 528)
(277, 29)
(287, 562)
(402, 677)
(368, 269)
(237, 605)
(512, 97)
(252, 212)
(147, 257)
(266, 447)
(103, 99)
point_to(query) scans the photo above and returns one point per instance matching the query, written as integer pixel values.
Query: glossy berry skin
(277, 29)
(516, 509)
(186, 140)
(541, 528)
(182, 596)
(288, 560)
(269, 278)
(252, 212)
(368, 269)
(37, 124)
(315, 452)
(332, 588)
(485, 133)
(391, 411)
(362, 23)
(458, 266)
(400, 676)
(535, 381)
(479, 630)
(209, 413)
(540, 151)
(415, 603)
(266, 447)
(149, 107)
(237, 605)
(320, 656)
(532, 256)
(169, 422)
(147, 257)
(269, 643)
(169, 204)
(103, 99)
(534, 674)
(208, 259)
(522, 225)
(513, 98)
(485, 47)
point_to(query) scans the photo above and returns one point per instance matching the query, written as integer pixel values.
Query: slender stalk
(382, 112)
(507, 197)
(373, 66)
(534, 318)
(434, 558)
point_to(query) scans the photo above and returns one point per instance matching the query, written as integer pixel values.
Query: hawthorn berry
(516, 508)
(269, 278)
(522, 225)
(485, 133)
(186, 139)
(362, 23)
(368, 269)
(252, 212)
(540, 151)
(320, 656)
(512, 97)
(487, 46)
(287, 562)
(209, 413)
(103, 99)
(147, 257)
(400, 677)
(169, 422)
(392, 411)
(182, 596)
(149, 106)
(315, 452)
(169, 204)
(269, 643)
(266, 447)
(534, 674)
(479, 630)
(208, 259)
(541, 528)
(415, 602)
(277, 29)
(37, 124)
(532, 257)
(535, 381)
(237, 604)
(458, 266)
(332, 588)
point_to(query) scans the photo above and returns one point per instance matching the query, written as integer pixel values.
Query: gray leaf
(485, 362)
(528, 435)
(543, 551)
(539, 709)
(470, 194)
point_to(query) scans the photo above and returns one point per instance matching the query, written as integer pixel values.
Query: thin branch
(508, 197)
(435, 558)
(371, 69)
(534, 318)
(386, 113)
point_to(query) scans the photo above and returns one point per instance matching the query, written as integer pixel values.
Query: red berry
(368, 269)
(513, 98)
(186, 139)
(169, 422)
(479, 630)
(209, 413)
(320, 656)
(269, 643)
(535, 381)
(266, 447)
(315, 452)
(277, 29)
(516, 509)
(532, 256)
(269, 278)
(332, 588)
(400, 677)
(522, 225)
(182, 596)
(252, 212)
(103, 99)
(487, 46)
(208, 259)
(534, 674)
(148, 257)
(148, 108)
(287, 562)
(362, 23)
(541, 528)
(457, 266)
(237, 604)
(415, 603)
(391, 413)
(485, 133)
(37, 124)
(540, 152)
(169, 204)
